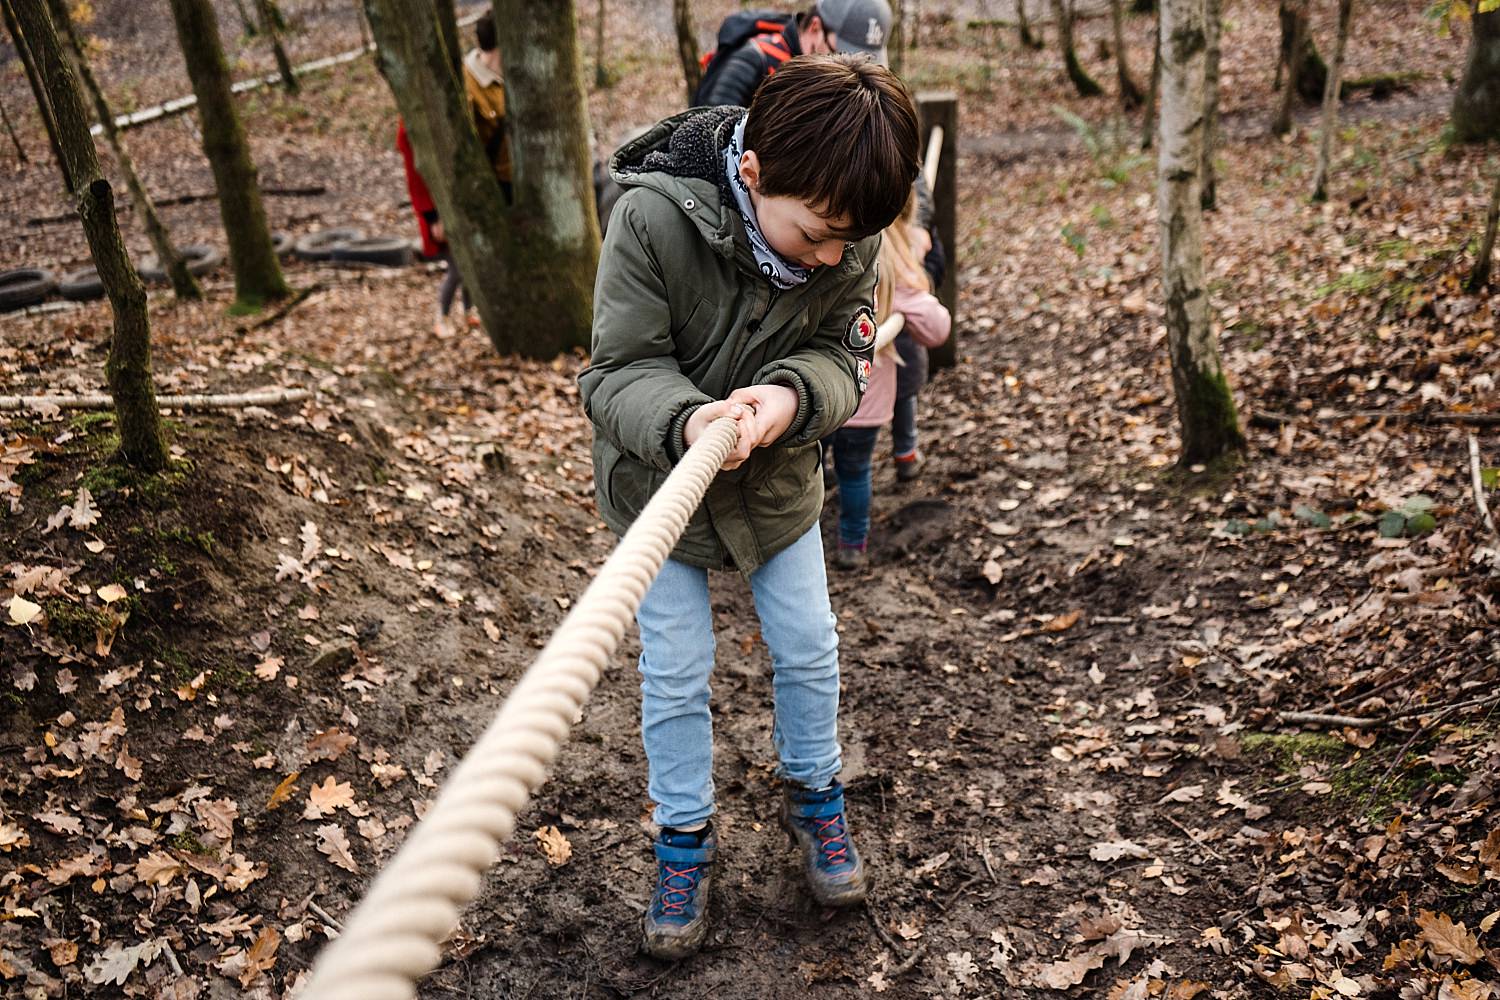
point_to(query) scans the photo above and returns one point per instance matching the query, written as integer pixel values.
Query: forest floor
(1068, 670)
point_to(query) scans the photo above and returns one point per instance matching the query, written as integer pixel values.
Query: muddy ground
(1064, 669)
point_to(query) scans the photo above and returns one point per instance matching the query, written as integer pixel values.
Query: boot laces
(677, 895)
(832, 840)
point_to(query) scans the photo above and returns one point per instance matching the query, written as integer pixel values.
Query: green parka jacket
(683, 317)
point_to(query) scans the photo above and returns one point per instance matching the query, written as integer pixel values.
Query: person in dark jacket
(737, 280)
(849, 26)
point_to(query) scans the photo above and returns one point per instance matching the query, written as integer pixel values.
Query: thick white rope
(394, 936)
(102, 401)
(934, 154)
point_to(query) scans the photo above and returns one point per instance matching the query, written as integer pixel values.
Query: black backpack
(737, 29)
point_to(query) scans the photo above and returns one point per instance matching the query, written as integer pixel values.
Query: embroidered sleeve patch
(862, 373)
(861, 333)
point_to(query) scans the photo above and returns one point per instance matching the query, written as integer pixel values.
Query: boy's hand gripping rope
(394, 936)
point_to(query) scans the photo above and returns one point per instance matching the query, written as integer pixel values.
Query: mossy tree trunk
(270, 24)
(257, 273)
(246, 22)
(128, 369)
(555, 231)
(1205, 405)
(1213, 14)
(1476, 105)
(1480, 276)
(687, 46)
(1331, 103)
(184, 285)
(1130, 91)
(38, 92)
(529, 267)
(11, 131)
(1082, 82)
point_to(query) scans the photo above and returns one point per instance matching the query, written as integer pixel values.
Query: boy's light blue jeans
(677, 657)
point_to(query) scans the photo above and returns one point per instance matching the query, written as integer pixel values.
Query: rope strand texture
(394, 936)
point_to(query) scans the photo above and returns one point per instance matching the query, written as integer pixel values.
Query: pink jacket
(929, 323)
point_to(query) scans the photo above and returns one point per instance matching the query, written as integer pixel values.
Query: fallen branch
(1477, 479)
(910, 961)
(305, 191)
(1273, 420)
(283, 309)
(1355, 722)
(101, 401)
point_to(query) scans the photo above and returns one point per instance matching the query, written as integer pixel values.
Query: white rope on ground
(100, 401)
(180, 104)
(394, 936)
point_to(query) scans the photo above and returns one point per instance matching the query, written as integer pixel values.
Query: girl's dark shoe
(850, 557)
(909, 467)
(817, 825)
(676, 921)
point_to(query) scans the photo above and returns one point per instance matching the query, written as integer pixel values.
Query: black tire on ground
(201, 258)
(320, 245)
(282, 242)
(385, 250)
(25, 287)
(82, 285)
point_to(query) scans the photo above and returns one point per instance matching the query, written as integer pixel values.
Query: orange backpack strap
(774, 46)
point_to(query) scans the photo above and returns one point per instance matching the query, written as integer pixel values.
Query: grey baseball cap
(858, 25)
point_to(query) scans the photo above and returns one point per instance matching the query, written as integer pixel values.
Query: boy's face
(793, 228)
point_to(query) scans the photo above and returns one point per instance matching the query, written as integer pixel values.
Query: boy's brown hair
(840, 133)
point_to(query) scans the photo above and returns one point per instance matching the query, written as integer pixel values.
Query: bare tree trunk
(687, 46)
(601, 72)
(1292, 48)
(896, 43)
(15, 140)
(1148, 120)
(556, 231)
(1213, 11)
(38, 92)
(447, 20)
(1476, 104)
(1300, 51)
(184, 285)
(364, 26)
(128, 369)
(257, 273)
(1205, 406)
(1030, 39)
(268, 22)
(245, 20)
(1082, 82)
(1480, 276)
(1130, 92)
(1331, 103)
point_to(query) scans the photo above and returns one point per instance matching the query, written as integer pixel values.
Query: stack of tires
(349, 245)
(25, 286)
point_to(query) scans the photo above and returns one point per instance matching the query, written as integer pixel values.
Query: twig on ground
(906, 964)
(101, 401)
(1355, 722)
(172, 958)
(325, 916)
(1271, 419)
(962, 888)
(1477, 478)
(1320, 719)
(284, 308)
(1194, 837)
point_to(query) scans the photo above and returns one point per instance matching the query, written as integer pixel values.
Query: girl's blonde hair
(898, 261)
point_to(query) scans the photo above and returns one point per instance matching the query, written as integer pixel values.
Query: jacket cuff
(676, 444)
(792, 380)
(430, 216)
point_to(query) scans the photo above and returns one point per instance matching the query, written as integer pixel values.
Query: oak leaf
(283, 791)
(1447, 939)
(333, 842)
(327, 798)
(554, 845)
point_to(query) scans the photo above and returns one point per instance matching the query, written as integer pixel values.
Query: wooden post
(940, 108)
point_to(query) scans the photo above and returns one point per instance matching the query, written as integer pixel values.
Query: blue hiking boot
(818, 826)
(676, 921)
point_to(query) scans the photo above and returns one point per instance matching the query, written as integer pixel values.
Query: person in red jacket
(434, 243)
